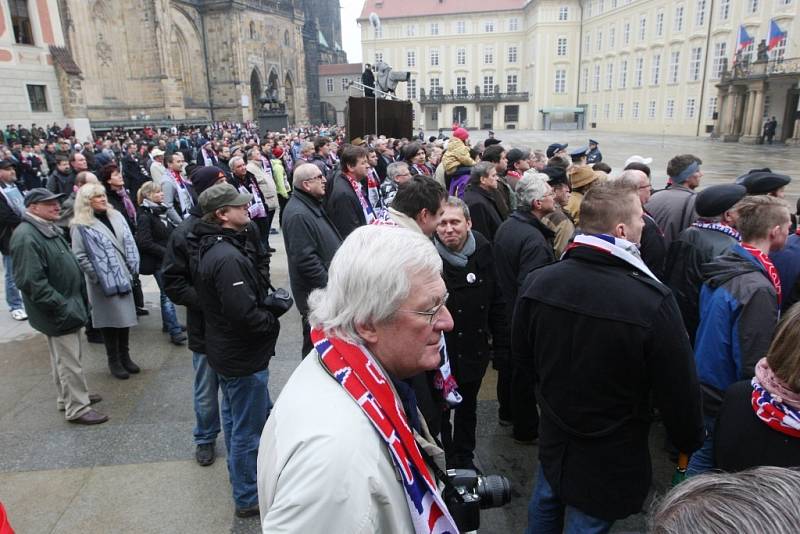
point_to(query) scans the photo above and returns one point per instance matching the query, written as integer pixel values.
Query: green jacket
(279, 174)
(49, 278)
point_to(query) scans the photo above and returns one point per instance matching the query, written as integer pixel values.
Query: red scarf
(422, 169)
(354, 369)
(768, 266)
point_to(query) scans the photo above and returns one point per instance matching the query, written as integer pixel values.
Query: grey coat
(673, 211)
(117, 311)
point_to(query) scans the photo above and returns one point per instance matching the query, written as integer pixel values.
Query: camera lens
(494, 491)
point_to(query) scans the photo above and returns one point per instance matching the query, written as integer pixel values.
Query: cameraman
(240, 331)
(329, 462)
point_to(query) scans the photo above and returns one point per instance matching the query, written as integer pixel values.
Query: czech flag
(745, 39)
(775, 35)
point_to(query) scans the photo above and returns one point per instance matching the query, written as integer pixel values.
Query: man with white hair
(346, 423)
(311, 240)
(397, 173)
(523, 243)
(652, 247)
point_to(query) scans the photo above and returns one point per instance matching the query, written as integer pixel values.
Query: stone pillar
(729, 133)
(748, 112)
(752, 131)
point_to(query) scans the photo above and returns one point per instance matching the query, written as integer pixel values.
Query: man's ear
(367, 332)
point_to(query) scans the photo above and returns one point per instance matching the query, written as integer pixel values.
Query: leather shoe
(205, 454)
(142, 311)
(250, 511)
(90, 418)
(179, 339)
(94, 398)
(270, 249)
(94, 337)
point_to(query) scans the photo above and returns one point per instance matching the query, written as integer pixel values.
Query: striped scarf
(354, 369)
(768, 266)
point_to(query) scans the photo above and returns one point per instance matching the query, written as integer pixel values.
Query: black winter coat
(522, 244)
(311, 240)
(116, 202)
(653, 248)
(9, 220)
(478, 309)
(596, 363)
(693, 247)
(151, 237)
(483, 211)
(343, 206)
(742, 440)
(180, 272)
(240, 332)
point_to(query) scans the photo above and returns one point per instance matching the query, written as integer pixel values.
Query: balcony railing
(439, 97)
(760, 69)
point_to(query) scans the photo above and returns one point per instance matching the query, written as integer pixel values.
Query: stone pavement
(137, 472)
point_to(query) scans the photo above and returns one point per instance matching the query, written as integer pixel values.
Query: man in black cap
(52, 286)
(556, 149)
(559, 220)
(180, 262)
(712, 235)
(764, 182)
(241, 331)
(594, 155)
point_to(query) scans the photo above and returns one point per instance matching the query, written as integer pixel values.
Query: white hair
(532, 186)
(370, 276)
(763, 499)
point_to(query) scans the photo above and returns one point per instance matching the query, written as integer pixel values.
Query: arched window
(286, 38)
(252, 30)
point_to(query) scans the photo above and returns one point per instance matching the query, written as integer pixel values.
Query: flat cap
(221, 195)
(6, 164)
(717, 199)
(760, 182)
(555, 147)
(40, 194)
(491, 141)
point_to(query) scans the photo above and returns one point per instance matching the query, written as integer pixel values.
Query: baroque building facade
(127, 62)
(651, 66)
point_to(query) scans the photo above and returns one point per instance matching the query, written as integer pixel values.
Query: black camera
(468, 493)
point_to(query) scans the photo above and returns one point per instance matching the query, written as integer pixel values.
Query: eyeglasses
(317, 177)
(433, 313)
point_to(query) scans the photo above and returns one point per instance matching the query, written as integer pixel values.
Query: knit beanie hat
(461, 133)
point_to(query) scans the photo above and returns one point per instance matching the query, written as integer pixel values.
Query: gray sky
(350, 33)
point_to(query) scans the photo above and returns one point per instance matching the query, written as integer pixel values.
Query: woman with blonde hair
(106, 251)
(759, 422)
(152, 232)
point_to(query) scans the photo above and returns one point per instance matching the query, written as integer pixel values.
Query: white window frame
(512, 54)
(561, 46)
(563, 13)
(655, 70)
(695, 61)
(488, 55)
(674, 67)
(623, 74)
(461, 56)
(434, 57)
(329, 85)
(411, 59)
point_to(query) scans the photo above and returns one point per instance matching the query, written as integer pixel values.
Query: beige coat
(266, 183)
(322, 467)
(457, 154)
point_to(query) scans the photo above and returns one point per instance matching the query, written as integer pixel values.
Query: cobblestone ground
(137, 472)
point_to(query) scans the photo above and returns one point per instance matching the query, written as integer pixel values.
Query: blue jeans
(245, 408)
(702, 460)
(13, 298)
(206, 400)
(169, 318)
(546, 513)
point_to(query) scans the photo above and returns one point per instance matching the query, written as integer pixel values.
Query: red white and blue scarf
(773, 412)
(615, 246)
(354, 369)
(769, 267)
(718, 227)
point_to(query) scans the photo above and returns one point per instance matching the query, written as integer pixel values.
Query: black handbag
(278, 302)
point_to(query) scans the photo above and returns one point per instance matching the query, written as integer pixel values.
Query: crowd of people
(603, 305)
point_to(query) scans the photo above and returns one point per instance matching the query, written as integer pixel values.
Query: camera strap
(449, 489)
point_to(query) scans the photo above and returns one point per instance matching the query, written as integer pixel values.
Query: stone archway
(186, 46)
(289, 87)
(256, 92)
